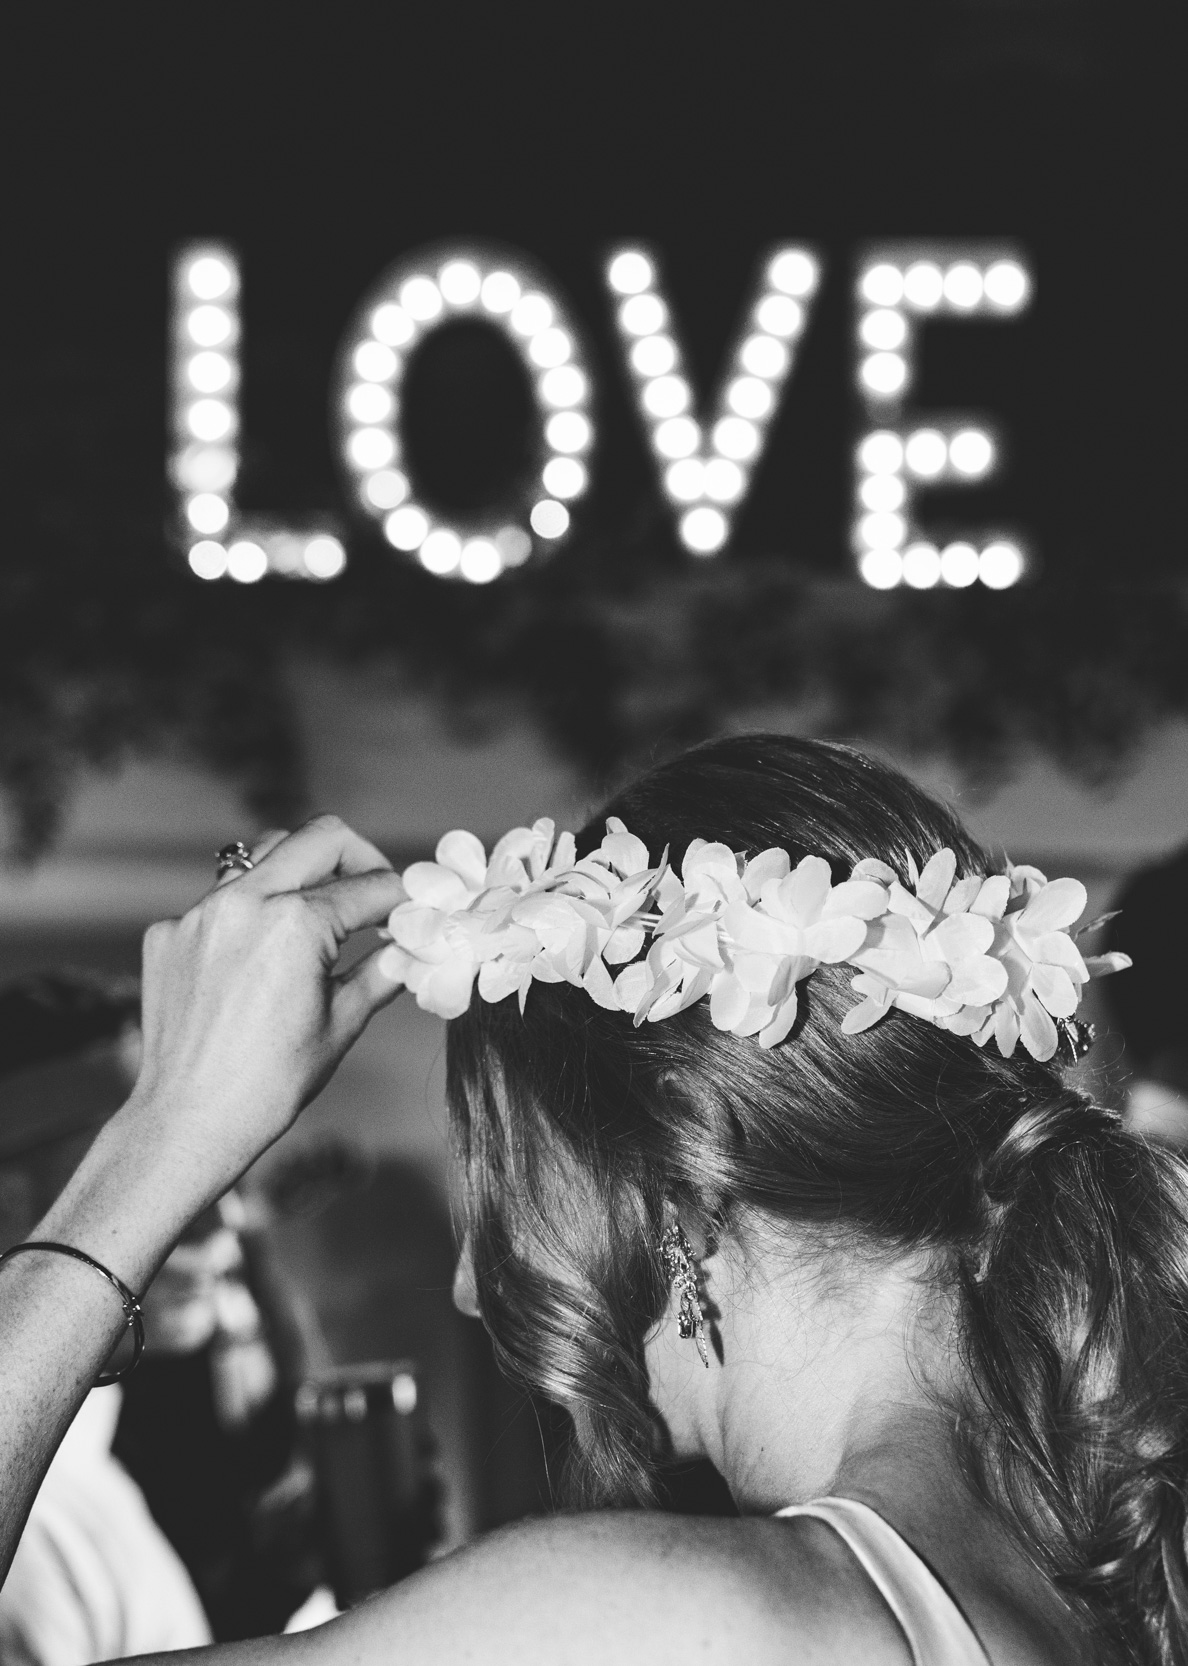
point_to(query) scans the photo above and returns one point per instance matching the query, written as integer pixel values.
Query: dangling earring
(676, 1256)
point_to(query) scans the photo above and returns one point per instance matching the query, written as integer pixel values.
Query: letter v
(705, 477)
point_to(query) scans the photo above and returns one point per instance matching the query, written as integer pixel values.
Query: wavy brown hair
(1065, 1237)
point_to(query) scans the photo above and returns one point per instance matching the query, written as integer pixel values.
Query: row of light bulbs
(704, 470)
(414, 301)
(705, 475)
(205, 457)
(890, 462)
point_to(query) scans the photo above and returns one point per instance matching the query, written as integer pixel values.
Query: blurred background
(433, 414)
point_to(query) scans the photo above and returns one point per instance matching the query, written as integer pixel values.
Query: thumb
(361, 992)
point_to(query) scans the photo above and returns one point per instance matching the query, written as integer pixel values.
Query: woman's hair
(1065, 1238)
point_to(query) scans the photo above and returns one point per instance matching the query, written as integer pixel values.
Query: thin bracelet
(133, 1315)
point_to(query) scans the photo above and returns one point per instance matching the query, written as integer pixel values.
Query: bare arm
(243, 1024)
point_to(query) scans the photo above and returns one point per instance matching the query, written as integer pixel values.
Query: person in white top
(769, 1158)
(94, 1578)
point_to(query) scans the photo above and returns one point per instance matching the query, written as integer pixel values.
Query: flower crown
(980, 956)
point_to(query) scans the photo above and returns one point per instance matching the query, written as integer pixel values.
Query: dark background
(325, 142)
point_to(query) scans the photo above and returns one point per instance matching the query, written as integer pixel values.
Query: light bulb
(375, 362)
(959, 565)
(678, 437)
(391, 325)
(884, 374)
(882, 530)
(764, 356)
(643, 315)
(630, 272)
(460, 282)
(209, 372)
(725, 482)
(531, 314)
(881, 453)
(550, 347)
(882, 492)
(210, 278)
(921, 566)
(971, 452)
(371, 448)
(421, 299)
(653, 356)
(210, 419)
(246, 562)
(884, 328)
(793, 273)
(1000, 565)
(963, 286)
(1006, 285)
(564, 477)
(564, 386)
(748, 396)
(210, 326)
(925, 453)
(549, 519)
(882, 285)
(480, 561)
(405, 529)
(441, 552)
(667, 396)
(923, 285)
(882, 569)
(207, 512)
(685, 480)
(736, 438)
(369, 402)
(568, 431)
(207, 559)
(386, 489)
(499, 293)
(324, 556)
(779, 315)
(703, 530)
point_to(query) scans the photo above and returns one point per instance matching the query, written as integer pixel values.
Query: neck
(831, 1374)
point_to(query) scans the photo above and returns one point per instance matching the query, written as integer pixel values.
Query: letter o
(422, 291)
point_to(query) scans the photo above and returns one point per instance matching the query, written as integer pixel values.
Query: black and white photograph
(593, 834)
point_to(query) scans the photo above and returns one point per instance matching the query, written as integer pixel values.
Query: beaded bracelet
(133, 1315)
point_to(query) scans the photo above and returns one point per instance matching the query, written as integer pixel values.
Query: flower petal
(1058, 949)
(394, 964)
(936, 878)
(806, 888)
(464, 855)
(774, 1032)
(632, 985)
(1037, 1030)
(862, 898)
(769, 864)
(993, 897)
(625, 853)
(832, 940)
(623, 944)
(499, 978)
(597, 984)
(419, 930)
(871, 868)
(435, 887)
(977, 981)
(1101, 965)
(962, 935)
(1054, 906)
(1055, 989)
(446, 989)
(862, 1016)
(729, 1001)
(1006, 1028)
(962, 895)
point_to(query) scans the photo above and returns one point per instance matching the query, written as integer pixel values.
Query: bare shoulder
(626, 1586)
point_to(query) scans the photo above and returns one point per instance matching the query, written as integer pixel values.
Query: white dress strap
(938, 1633)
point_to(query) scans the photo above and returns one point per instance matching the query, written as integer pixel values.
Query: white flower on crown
(982, 957)
(532, 911)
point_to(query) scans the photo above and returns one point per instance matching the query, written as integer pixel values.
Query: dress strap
(937, 1632)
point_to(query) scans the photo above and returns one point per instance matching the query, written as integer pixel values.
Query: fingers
(318, 851)
(361, 900)
(267, 842)
(360, 994)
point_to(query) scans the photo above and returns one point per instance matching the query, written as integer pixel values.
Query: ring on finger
(232, 857)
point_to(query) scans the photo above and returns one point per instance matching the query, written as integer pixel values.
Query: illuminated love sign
(704, 469)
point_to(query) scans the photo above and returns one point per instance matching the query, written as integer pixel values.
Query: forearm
(130, 1198)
